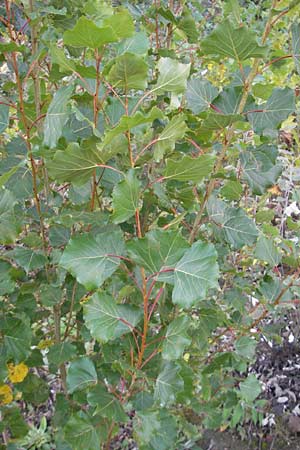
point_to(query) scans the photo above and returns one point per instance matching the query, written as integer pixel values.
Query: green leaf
(194, 274)
(27, 259)
(200, 94)
(80, 433)
(4, 117)
(278, 107)
(250, 389)
(126, 196)
(146, 424)
(230, 98)
(87, 34)
(9, 227)
(106, 404)
(58, 57)
(128, 122)
(137, 44)
(237, 43)
(232, 190)
(75, 164)
(176, 338)
(60, 353)
(93, 259)
(122, 24)
(106, 319)
(217, 121)
(129, 72)
(81, 374)
(189, 169)
(12, 417)
(172, 77)
(168, 384)
(266, 251)
(166, 141)
(17, 338)
(158, 251)
(57, 116)
(236, 227)
(295, 29)
(34, 389)
(7, 284)
(245, 346)
(259, 168)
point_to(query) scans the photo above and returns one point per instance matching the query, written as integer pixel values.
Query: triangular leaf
(200, 94)
(81, 373)
(128, 72)
(172, 76)
(189, 169)
(237, 43)
(174, 131)
(87, 34)
(93, 259)
(194, 274)
(176, 338)
(126, 198)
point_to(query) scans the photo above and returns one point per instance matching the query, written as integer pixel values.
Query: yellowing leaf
(274, 190)
(6, 396)
(16, 374)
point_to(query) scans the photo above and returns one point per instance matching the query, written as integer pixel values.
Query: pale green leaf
(168, 384)
(126, 198)
(266, 251)
(4, 117)
(200, 94)
(166, 141)
(9, 227)
(195, 274)
(260, 169)
(75, 164)
(121, 23)
(81, 373)
(245, 346)
(176, 338)
(237, 43)
(189, 169)
(172, 77)
(272, 113)
(295, 28)
(87, 34)
(57, 116)
(129, 72)
(128, 122)
(250, 388)
(137, 44)
(93, 259)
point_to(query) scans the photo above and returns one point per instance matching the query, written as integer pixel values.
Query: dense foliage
(149, 155)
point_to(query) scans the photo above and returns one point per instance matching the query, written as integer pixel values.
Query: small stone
(294, 424)
(282, 399)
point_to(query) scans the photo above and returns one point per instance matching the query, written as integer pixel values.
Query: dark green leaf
(81, 373)
(80, 433)
(4, 117)
(60, 353)
(106, 319)
(295, 28)
(106, 404)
